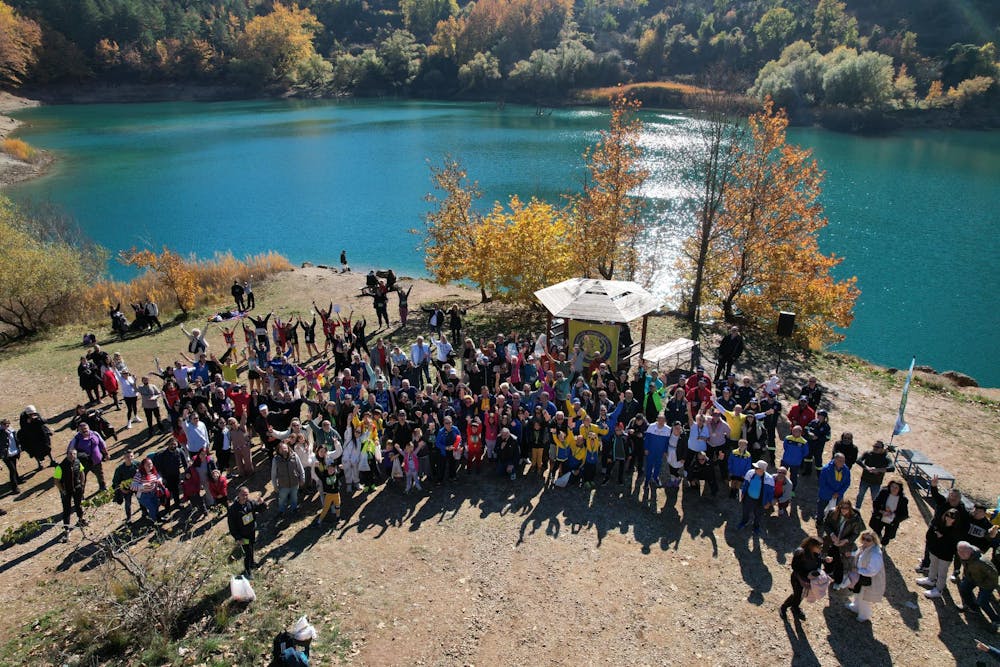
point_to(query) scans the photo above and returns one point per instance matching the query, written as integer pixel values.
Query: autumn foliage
(20, 39)
(764, 255)
(607, 217)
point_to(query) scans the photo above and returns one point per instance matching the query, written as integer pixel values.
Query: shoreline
(13, 170)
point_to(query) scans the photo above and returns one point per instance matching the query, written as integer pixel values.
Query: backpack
(285, 652)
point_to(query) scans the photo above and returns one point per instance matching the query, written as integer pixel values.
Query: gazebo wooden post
(642, 342)
(548, 331)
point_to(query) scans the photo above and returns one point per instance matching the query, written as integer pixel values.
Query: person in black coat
(730, 350)
(242, 520)
(805, 560)
(171, 463)
(35, 437)
(886, 518)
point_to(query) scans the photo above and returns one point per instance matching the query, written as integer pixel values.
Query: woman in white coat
(351, 460)
(870, 572)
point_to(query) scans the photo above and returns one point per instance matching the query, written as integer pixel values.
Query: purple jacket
(92, 446)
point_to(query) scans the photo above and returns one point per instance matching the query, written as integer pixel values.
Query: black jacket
(902, 509)
(242, 519)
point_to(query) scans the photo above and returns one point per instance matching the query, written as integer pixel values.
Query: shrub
(20, 150)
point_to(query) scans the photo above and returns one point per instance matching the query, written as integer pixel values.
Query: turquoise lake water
(914, 214)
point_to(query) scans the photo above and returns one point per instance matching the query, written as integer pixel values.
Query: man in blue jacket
(756, 495)
(834, 480)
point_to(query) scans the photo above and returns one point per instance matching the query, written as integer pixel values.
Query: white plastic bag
(241, 590)
(303, 630)
(563, 481)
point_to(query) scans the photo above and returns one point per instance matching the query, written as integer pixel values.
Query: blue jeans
(654, 461)
(872, 489)
(288, 496)
(151, 503)
(984, 600)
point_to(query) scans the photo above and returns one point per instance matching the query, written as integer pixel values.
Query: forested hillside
(805, 53)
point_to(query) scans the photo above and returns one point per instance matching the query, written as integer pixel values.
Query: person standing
(237, 291)
(70, 480)
(121, 482)
(420, 354)
(874, 464)
(756, 495)
(834, 480)
(404, 309)
(248, 294)
(890, 508)
(91, 451)
(150, 395)
(805, 560)
(817, 434)
(942, 538)
(730, 349)
(287, 474)
(152, 313)
(11, 453)
(344, 266)
(242, 520)
(870, 572)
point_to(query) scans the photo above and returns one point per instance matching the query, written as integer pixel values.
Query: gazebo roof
(597, 300)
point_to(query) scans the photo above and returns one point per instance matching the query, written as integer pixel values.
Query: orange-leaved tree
(766, 256)
(454, 244)
(178, 274)
(607, 216)
(530, 247)
(20, 39)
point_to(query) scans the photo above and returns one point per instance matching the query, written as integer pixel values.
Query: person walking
(70, 480)
(242, 520)
(805, 560)
(35, 437)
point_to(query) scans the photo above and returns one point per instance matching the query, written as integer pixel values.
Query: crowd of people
(358, 415)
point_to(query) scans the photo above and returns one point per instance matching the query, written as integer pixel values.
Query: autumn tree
(20, 38)
(833, 26)
(41, 272)
(177, 274)
(452, 230)
(277, 48)
(607, 216)
(512, 237)
(765, 255)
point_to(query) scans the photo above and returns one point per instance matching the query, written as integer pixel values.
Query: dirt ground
(488, 571)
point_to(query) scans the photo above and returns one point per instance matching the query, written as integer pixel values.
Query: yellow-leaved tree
(20, 39)
(529, 246)
(277, 48)
(40, 273)
(178, 274)
(607, 216)
(765, 256)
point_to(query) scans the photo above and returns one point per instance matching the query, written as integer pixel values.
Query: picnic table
(919, 467)
(675, 354)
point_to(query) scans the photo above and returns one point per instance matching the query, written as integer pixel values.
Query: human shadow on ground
(852, 641)
(898, 596)
(802, 651)
(47, 526)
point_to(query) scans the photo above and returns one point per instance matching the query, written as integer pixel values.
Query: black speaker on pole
(786, 324)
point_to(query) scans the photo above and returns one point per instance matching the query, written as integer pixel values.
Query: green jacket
(981, 571)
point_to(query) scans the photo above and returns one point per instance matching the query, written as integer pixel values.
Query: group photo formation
(499, 332)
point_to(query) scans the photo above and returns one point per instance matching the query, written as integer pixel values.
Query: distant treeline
(892, 54)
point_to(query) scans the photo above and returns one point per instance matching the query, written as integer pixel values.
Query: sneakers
(932, 594)
(128, 424)
(953, 578)
(920, 569)
(852, 607)
(925, 581)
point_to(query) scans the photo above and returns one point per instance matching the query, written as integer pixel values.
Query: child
(474, 440)
(411, 467)
(329, 478)
(619, 454)
(218, 488)
(739, 464)
(191, 489)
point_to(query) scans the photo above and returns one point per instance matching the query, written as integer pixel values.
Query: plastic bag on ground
(564, 480)
(241, 590)
(303, 630)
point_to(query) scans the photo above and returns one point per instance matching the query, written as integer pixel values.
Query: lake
(914, 214)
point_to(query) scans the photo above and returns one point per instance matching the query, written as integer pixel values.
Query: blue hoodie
(739, 464)
(794, 452)
(828, 484)
(767, 489)
(656, 439)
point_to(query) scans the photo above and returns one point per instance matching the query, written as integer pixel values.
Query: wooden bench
(675, 354)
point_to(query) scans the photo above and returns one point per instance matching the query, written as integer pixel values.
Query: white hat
(262, 408)
(30, 410)
(760, 465)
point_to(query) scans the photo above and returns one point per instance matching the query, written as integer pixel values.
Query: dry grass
(214, 276)
(20, 150)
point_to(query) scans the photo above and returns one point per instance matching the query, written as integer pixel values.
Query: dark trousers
(247, 545)
(382, 312)
(152, 413)
(98, 469)
(610, 467)
(885, 531)
(795, 599)
(250, 301)
(724, 367)
(837, 566)
(173, 485)
(240, 304)
(753, 508)
(130, 407)
(15, 479)
(72, 502)
(446, 464)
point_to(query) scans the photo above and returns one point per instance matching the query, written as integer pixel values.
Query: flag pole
(901, 426)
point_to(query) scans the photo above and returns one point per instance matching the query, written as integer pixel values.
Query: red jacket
(110, 381)
(801, 416)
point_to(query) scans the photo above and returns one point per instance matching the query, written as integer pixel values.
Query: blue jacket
(768, 488)
(828, 484)
(656, 440)
(794, 452)
(445, 438)
(739, 465)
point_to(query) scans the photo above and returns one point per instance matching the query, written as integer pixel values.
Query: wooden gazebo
(598, 302)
